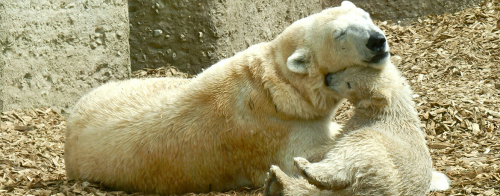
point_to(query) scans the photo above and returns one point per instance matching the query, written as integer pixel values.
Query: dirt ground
(451, 60)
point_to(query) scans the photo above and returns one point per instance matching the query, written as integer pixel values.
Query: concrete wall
(239, 24)
(193, 35)
(53, 52)
(176, 32)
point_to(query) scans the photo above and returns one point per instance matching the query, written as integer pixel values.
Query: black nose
(376, 43)
(328, 79)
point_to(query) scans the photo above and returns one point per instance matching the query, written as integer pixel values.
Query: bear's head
(327, 42)
(363, 86)
(335, 39)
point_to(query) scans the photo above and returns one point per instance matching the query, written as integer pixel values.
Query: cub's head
(335, 39)
(362, 86)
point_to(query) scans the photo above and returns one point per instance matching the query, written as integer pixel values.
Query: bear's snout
(332, 80)
(377, 44)
(328, 79)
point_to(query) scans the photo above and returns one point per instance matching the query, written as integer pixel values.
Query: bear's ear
(379, 99)
(347, 5)
(299, 61)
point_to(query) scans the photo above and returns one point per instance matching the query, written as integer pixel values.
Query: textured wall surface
(239, 24)
(193, 35)
(176, 32)
(53, 52)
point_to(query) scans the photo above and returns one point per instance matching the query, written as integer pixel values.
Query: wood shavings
(452, 62)
(167, 71)
(454, 68)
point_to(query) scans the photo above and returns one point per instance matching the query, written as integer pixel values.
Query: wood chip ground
(451, 60)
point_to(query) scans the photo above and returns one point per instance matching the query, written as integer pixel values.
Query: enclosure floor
(452, 62)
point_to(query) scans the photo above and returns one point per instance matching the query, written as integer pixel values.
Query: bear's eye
(340, 34)
(349, 85)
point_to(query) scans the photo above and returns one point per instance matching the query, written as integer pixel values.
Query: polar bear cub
(381, 150)
(223, 129)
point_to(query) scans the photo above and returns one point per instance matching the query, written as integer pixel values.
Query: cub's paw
(275, 182)
(280, 184)
(300, 162)
(313, 173)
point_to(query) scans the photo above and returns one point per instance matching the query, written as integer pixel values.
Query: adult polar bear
(223, 129)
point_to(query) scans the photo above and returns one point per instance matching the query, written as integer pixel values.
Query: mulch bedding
(451, 60)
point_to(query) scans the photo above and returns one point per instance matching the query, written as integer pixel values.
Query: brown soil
(451, 60)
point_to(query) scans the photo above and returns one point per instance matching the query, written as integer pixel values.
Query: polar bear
(380, 151)
(224, 128)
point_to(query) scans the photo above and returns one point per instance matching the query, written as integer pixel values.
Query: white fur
(298, 61)
(381, 150)
(223, 129)
(439, 182)
(347, 5)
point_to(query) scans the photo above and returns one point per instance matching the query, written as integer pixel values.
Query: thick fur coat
(223, 129)
(380, 151)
